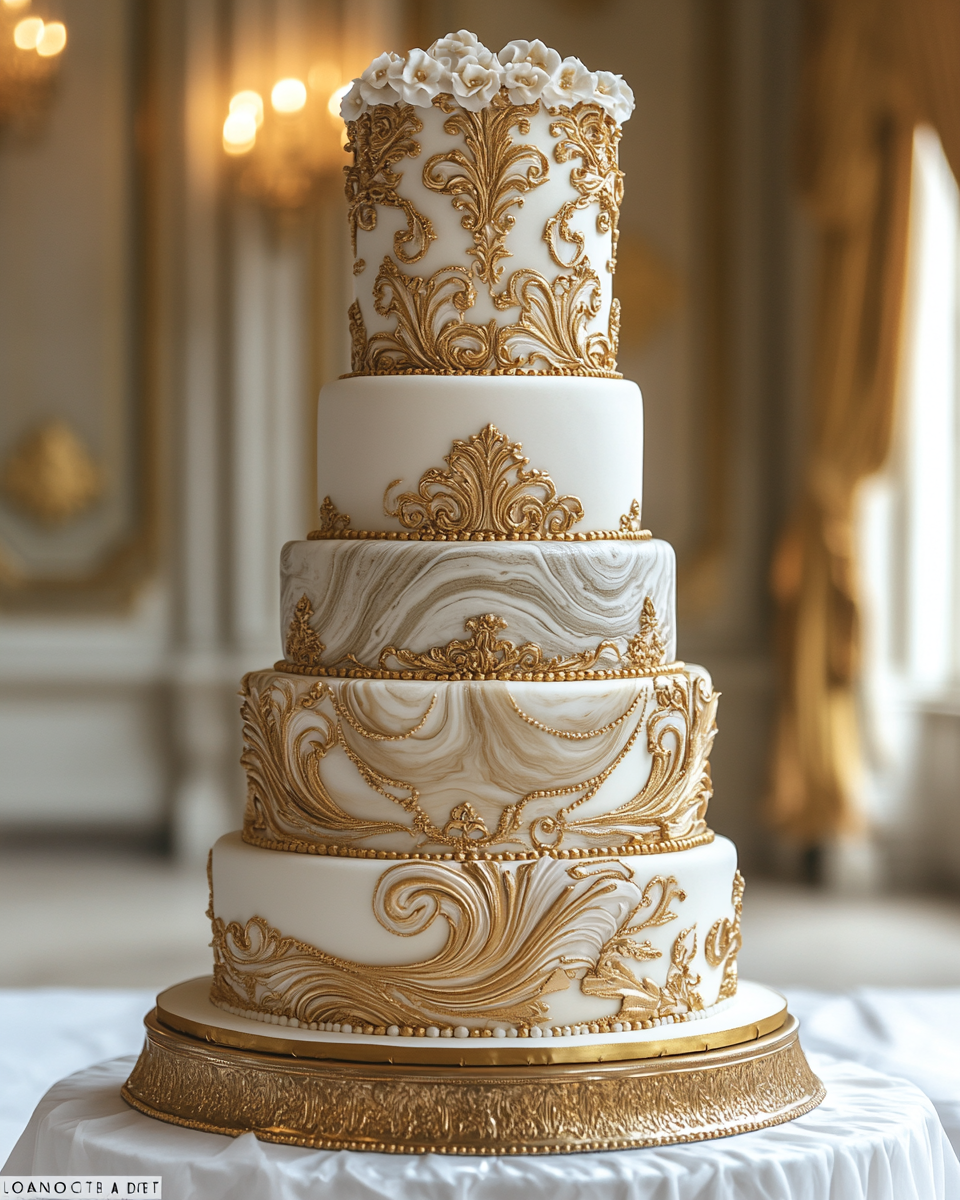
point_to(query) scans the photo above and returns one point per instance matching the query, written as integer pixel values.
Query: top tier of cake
(483, 207)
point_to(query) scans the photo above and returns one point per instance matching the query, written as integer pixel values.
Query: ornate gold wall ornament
(630, 520)
(587, 133)
(723, 942)
(490, 177)
(526, 1109)
(647, 650)
(289, 807)
(484, 655)
(303, 645)
(379, 139)
(514, 936)
(486, 488)
(332, 521)
(51, 476)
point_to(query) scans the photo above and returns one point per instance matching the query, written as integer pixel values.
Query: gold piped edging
(333, 849)
(415, 535)
(508, 676)
(401, 1109)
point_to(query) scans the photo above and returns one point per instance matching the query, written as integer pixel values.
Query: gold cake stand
(207, 1076)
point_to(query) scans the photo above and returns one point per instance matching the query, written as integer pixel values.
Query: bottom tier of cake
(545, 947)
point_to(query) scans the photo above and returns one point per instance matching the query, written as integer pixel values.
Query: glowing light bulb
(288, 95)
(251, 102)
(333, 104)
(28, 32)
(239, 131)
(52, 40)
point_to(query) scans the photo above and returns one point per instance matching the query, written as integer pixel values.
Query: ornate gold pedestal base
(403, 1109)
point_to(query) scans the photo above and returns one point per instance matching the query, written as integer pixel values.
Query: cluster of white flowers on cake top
(462, 67)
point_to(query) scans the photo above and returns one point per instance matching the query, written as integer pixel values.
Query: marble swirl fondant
(369, 765)
(365, 596)
(474, 945)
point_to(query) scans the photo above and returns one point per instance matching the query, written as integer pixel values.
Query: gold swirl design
(303, 645)
(379, 139)
(630, 520)
(487, 487)
(514, 936)
(587, 133)
(722, 944)
(483, 655)
(508, 946)
(490, 177)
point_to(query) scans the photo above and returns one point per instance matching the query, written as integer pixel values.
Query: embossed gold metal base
(415, 1109)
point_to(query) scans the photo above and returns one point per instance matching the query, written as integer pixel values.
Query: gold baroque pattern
(486, 488)
(587, 133)
(514, 936)
(446, 1110)
(332, 521)
(490, 177)
(380, 139)
(303, 645)
(290, 807)
(724, 940)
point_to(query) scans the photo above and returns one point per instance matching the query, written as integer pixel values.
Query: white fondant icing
(587, 434)
(564, 597)
(490, 744)
(331, 904)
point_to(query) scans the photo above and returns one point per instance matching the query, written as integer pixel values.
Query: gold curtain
(872, 70)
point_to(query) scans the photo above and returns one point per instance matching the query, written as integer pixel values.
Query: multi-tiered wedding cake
(478, 781)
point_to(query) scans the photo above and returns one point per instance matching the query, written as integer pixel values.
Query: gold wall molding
(478, 1110)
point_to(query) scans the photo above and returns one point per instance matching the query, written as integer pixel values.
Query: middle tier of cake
(386, 768)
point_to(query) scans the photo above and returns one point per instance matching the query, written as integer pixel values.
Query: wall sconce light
(284, 148)
(30, 50)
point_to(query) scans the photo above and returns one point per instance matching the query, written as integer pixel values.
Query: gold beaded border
(337, 850)
(582, 373)
(361, 672)
(415, 535)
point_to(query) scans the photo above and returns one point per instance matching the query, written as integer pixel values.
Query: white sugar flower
(375, 86)
(457, 47)
(569, 84)
(524, 81)
(535, 53)
(352, 105)
(418, 78)
(614, 95)
(475, 85)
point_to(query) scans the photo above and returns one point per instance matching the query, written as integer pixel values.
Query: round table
(873, 1138)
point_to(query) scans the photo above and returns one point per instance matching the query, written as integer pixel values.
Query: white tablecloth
(873, 1138)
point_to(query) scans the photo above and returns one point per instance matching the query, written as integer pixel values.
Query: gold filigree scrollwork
(483, 654)
(723, 942)
(358, 338)
(285, 791)
(331, 519)
(489, 177)
(587, 133)
(487, 487)
(379, 139)
(647, 650)
(672, 804)
(430, 333)
(509, 942)
(630, 520)
(551, 329)
(303, 646)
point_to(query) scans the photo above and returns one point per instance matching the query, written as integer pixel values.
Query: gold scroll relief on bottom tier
(290, 807)
(514, 937)
(487, 492)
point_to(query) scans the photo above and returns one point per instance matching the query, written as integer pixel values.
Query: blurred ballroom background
(173, 289)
